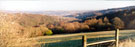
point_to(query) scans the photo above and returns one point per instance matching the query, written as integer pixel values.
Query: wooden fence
(85, 44)
(84, 37)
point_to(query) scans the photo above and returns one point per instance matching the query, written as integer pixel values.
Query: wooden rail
(100, 42)
(85, 44)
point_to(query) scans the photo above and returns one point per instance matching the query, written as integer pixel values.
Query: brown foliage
(50, 26)
(35, 31)
(70, 27)
(11, 33)
(26, 20)
(106, 20)
(84, 27)
(100, 22)
(118, 23)
(91, 21)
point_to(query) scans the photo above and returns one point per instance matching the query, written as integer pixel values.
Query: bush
(36, 31)
(57, 30)
(48, 32)
(91, 21)
(118, 23)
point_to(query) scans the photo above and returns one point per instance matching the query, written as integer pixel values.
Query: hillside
(87, 14)
(86, 21)
(25, 25)
(126, 14)
(110, 19)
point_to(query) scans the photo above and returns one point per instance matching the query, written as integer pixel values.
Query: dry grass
(10, 33)
(17, 29)
(126, 43)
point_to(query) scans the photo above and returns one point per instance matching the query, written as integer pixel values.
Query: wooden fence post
(117, 37)
(84, 41)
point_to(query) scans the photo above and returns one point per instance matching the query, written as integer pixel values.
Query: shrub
(48, 32)
(91, 22)
(106, 20)
(69, 27)
(57, 30)
(36, 31)
(84, 28)
(118, 23)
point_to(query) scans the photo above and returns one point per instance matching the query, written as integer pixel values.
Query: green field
(74, 40)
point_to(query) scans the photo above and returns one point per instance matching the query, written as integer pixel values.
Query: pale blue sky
(46, 5)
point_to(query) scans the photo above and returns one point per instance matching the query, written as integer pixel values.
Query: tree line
(88, 25)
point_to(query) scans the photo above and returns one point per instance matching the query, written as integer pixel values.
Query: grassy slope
(12, 25)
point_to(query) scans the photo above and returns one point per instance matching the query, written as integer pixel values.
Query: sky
(47, 5)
